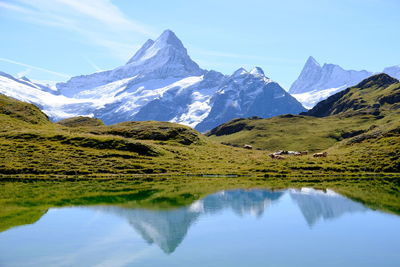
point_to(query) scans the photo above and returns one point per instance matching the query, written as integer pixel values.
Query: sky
(52, 40)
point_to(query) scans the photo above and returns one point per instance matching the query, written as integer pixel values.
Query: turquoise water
(230, 228)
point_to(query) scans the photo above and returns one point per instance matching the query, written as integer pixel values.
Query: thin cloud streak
(92, 64)
(16, 8)
(35, 68)
(99, 22)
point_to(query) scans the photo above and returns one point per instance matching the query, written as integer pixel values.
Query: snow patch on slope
(198, 110)
(52, 105)
(310, 99)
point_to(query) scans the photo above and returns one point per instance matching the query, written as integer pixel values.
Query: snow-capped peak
(239, 72)
(166, 57)
(166, 45)
(313, 77)
(257, 71)
(317, 82)
(168, 37)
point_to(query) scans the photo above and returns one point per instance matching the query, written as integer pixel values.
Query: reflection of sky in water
(231, 228)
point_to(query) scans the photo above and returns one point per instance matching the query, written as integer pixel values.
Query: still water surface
(303, 227)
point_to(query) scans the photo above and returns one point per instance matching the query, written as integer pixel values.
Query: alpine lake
(199, 221)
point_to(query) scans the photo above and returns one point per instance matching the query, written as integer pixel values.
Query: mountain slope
(293, 132)
(22, 111)
(56, 106)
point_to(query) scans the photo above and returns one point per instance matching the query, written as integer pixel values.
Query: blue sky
(56, 39)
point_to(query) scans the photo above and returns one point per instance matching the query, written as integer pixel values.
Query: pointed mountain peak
(167, 45)
(257, 71)
(239, 72)
(311, 61)
(165, 56)
(168, 37)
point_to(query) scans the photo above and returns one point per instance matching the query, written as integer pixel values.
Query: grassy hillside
(31, 144)
(80, 121)
(11, 108)
(290, 132)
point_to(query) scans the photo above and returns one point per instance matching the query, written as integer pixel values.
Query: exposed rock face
(247, 94)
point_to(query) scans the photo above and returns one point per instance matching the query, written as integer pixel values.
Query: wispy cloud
(99, 22)
(92, 64)
(13, 7)
(35, 68)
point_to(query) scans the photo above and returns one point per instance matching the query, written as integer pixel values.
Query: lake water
(303, 227)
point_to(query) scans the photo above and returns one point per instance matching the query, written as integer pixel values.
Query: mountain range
(160, 82)
(316, 83)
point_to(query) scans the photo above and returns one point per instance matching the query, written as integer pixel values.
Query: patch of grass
(21, 111)
(81, 121)
(152, 130)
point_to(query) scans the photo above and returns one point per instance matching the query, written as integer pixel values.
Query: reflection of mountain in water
(168, 228)
(316, 204)
(241, 202)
